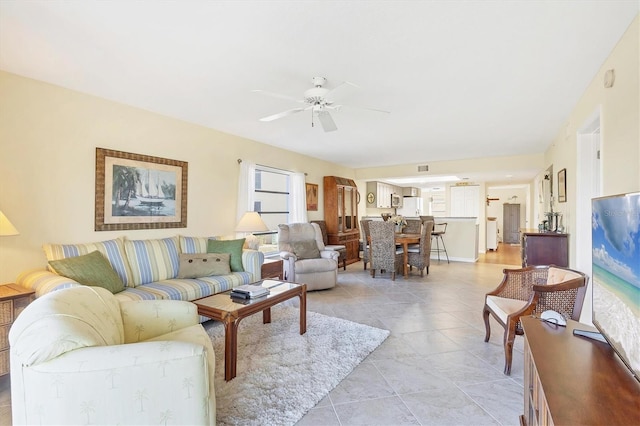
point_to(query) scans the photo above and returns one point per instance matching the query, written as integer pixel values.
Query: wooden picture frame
(312, 196)
(562, 186)
(135, 191)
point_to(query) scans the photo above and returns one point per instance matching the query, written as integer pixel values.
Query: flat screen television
(616, 274)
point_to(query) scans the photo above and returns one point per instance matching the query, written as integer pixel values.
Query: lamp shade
(6, 227)
(251, 222)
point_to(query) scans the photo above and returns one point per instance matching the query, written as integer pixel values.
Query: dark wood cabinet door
(545, 249)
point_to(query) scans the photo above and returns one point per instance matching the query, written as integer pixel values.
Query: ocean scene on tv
(616, 273)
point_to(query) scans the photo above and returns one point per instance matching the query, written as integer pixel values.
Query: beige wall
(619, 111)
(620, 132)
(48, 137)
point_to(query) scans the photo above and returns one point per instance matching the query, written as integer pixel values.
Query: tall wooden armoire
(341, 214)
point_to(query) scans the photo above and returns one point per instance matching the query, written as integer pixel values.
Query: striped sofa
(148, 268)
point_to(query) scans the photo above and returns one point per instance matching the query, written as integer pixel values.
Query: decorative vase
(398, 228)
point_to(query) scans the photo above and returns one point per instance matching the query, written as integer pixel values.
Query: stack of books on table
(249, 291)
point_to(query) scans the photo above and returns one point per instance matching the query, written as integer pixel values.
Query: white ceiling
(462, 79)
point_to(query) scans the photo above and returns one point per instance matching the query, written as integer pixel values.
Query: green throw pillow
(204, 265)
(233, 247)
(306, 249)
(91, 269)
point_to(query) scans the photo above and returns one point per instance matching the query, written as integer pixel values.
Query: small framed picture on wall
(562, 186)
(312, 197)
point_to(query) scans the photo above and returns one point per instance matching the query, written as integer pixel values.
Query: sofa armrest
(252, 261)
(43, 281)
(330, 254)
(121, 384)
(288, 265)
(146, 319)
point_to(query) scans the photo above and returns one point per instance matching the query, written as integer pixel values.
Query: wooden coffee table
(221, 307)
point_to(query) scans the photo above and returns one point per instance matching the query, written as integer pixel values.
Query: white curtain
(298, 208)
(246, 189)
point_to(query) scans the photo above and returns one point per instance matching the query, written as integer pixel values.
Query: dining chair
(385, 257)
(427, 218)
(413, 226)
(366, 248)
(420, 257)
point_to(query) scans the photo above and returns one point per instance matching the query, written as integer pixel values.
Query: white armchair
(305, 258)
(78, 356)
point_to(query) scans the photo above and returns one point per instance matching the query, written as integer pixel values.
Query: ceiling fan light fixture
(319, 99)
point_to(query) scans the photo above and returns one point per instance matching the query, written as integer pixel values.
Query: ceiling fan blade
(282, 114)
(341, 90)
(278, 95)
(327, 122)
(362, 108)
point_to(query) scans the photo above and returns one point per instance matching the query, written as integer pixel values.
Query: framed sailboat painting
(135, 191)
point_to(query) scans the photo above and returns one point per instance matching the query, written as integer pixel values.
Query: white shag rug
(281, 374)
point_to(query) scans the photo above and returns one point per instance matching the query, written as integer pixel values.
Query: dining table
(404, 240)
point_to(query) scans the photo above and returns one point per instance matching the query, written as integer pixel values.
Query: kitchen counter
(461, 238)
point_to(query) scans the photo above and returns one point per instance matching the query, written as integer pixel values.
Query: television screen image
(616, 274)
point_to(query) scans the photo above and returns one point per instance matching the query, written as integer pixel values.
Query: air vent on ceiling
(424, 168)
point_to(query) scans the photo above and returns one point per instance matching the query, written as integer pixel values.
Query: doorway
(588, 186)
(511, 223)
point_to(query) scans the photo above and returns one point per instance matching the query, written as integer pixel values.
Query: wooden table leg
(266, 316)
(303, 309)
(230, 348)
(405, 258)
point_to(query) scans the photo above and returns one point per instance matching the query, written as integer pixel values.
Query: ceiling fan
(319, 100)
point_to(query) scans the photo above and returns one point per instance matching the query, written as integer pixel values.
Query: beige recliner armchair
(305, 258)
(78, 356)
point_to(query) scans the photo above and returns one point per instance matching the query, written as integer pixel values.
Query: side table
(13, 299)
(272, 268)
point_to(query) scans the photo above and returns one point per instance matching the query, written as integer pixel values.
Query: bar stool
(438, 232)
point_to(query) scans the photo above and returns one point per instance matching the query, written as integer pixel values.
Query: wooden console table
(571, 380)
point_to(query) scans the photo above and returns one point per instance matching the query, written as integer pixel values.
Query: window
(271, 200)
(271, 197)
(277, 195)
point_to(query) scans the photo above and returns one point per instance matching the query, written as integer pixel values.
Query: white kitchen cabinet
(465, 201)
(381, 194)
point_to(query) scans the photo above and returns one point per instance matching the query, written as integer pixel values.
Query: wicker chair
(413, 226)
(420, 257)
(366, 248)
(532, 290)
(342, 249)
(384, 255)
(427, 219)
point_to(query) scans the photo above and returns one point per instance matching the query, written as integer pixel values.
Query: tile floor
(434, 368)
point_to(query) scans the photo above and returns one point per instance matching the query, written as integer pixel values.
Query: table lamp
(249, 223)
(6, 227)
